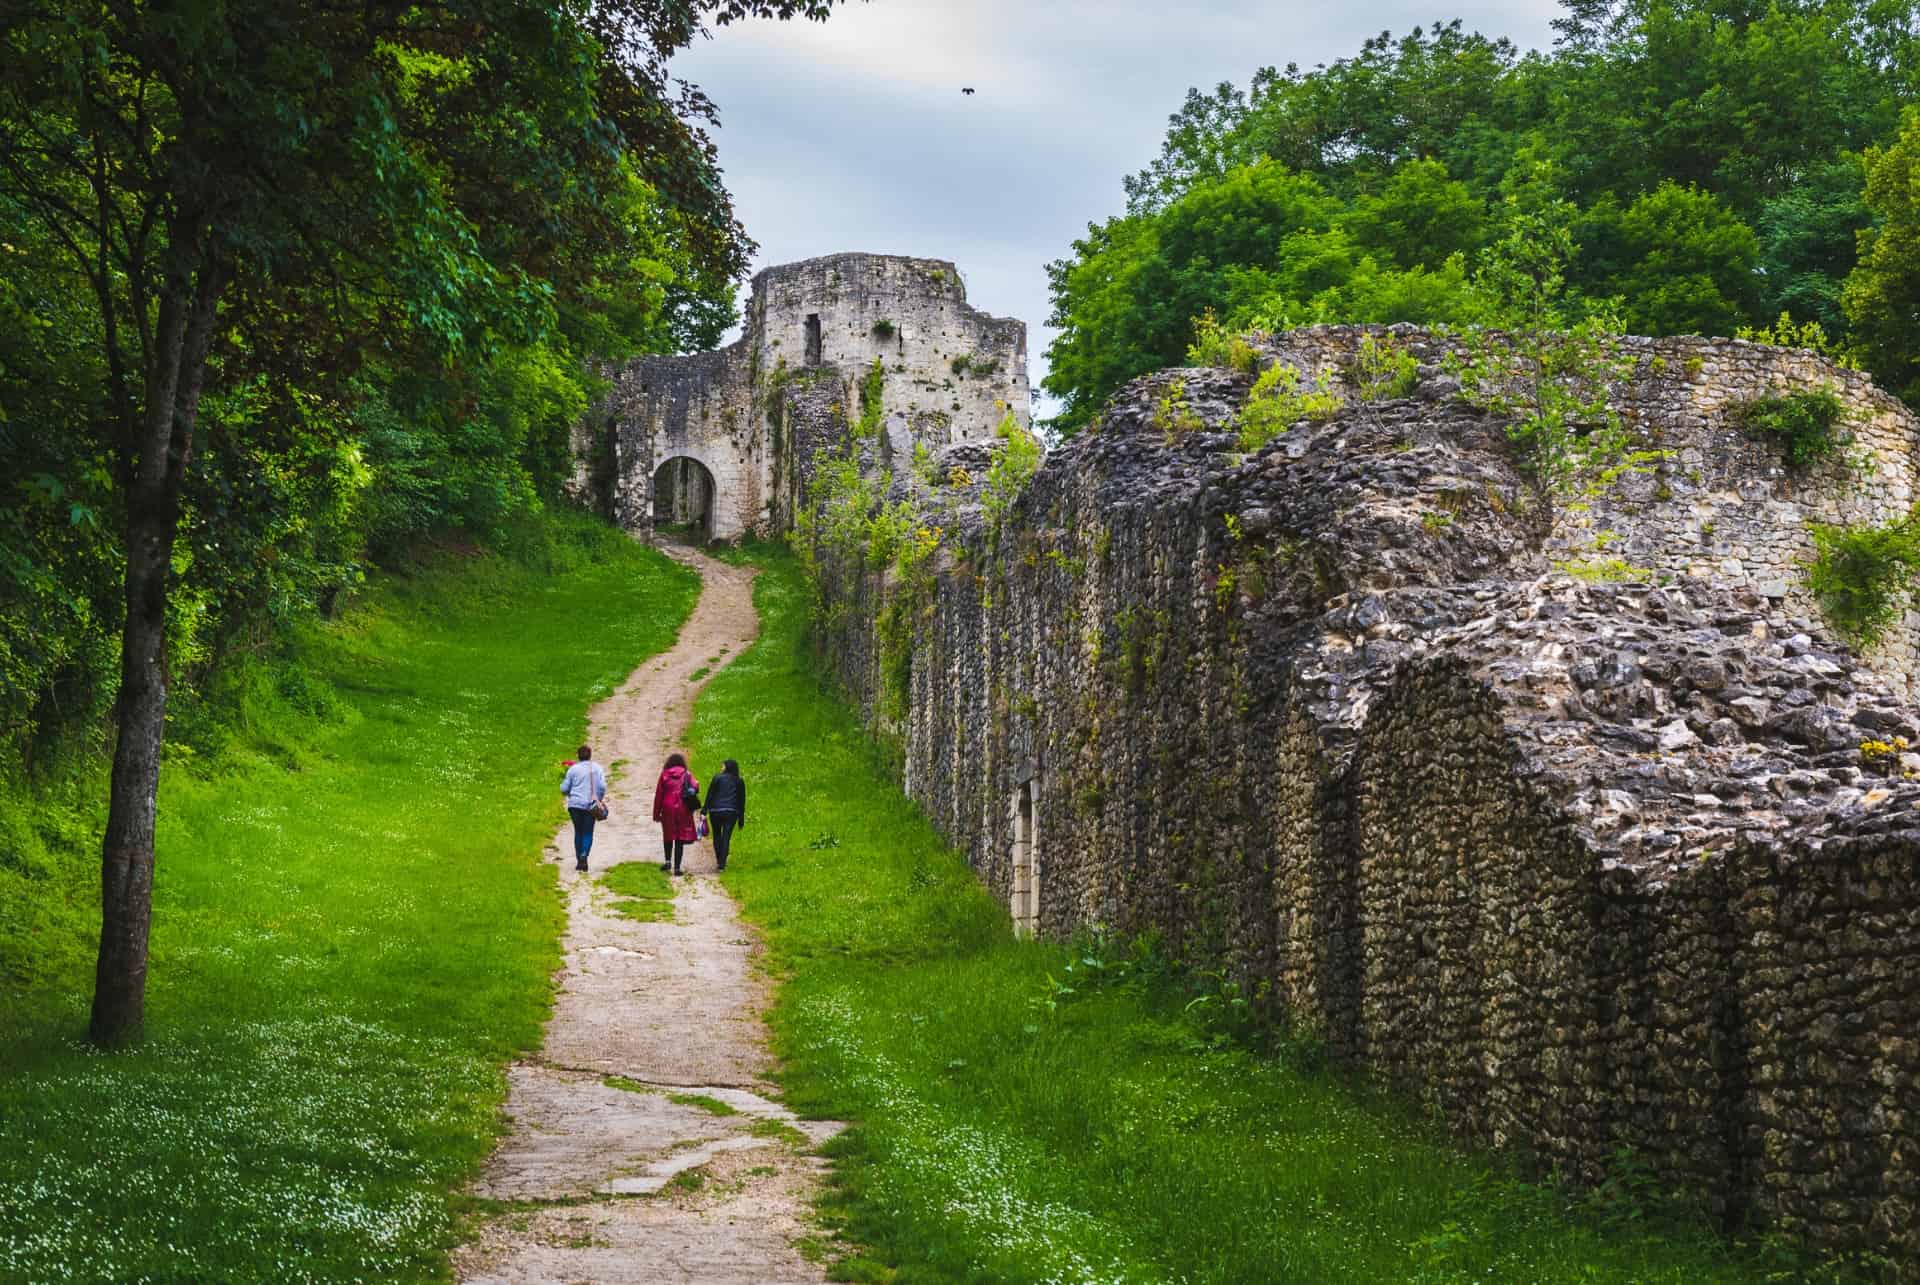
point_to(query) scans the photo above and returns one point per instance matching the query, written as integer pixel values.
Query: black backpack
(690, 795)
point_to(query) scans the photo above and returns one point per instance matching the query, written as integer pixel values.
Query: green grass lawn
(353, 931)
(1024, 1114)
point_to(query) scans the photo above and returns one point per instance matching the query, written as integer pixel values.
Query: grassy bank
(352, 931)
(1031, 1112)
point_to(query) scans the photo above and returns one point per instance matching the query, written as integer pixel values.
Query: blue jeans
(582, 834)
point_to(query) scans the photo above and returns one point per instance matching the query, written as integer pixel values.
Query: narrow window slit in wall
(1025, 894)
(813, 339)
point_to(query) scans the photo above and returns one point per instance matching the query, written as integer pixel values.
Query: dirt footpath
(621, 1182)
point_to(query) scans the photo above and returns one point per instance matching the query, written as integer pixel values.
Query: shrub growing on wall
(1013, 466)
(1807, 424)
(1860, 573)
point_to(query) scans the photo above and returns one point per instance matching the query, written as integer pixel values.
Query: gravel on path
(646, 1144)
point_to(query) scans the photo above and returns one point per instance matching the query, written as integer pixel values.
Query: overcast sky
(853, 134)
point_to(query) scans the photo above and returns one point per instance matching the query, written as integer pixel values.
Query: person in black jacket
(726, 808)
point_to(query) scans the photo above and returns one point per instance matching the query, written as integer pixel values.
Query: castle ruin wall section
(1584, 866)
(1721, 505)
(754, 413)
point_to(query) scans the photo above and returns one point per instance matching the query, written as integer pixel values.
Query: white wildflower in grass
(987, 1184)
(344, 957)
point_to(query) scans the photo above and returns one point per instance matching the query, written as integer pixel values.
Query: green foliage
(1547, 374)
(1882, 294)
(1172, 415)
(888, 528)
(1126, 302)
(1604, 571)
(703, 1102)
(1419, 215)
(1806, 423)
(1014, 465)
(1370, 292)
(1383, 370)
(641, 891)
(907, 603)
(1710, 160)
(1808, 234)
(1811, 335)
(840, 501)
(1861, 574)
(884, 329)
(340, 977)
(418, 223)
(1281, 399)
(1214, 345)
(873, 401)
(1679, 260)
(1049, 1110)
(973, 364)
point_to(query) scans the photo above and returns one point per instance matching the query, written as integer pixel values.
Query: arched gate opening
(683, 494)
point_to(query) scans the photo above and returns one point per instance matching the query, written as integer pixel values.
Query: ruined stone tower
(720, 441)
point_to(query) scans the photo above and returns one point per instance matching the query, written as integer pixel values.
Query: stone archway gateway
(683, 496)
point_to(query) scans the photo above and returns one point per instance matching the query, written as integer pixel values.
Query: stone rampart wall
(1722, 506)
(1586, 866)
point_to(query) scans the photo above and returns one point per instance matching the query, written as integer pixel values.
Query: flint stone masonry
(1583, 865)
(1721, 506)
(752, 414)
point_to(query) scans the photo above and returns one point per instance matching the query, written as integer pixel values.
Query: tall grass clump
(353, 931)
(1088, 1111)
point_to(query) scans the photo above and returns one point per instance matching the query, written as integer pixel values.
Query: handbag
(700, 826)
(599, 806)
(690, 794)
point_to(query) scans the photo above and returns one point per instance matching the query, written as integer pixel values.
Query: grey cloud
(853, 134)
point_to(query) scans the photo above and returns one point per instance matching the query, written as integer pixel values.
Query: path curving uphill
(683, 1168)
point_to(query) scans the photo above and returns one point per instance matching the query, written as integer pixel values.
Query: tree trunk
(165, 439)
(126, 858)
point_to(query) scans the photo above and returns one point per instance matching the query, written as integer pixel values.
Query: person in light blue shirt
(585, 789)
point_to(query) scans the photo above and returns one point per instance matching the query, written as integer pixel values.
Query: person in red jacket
(675, 799)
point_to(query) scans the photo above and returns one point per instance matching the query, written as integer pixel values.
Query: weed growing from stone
(873, 401)
(1279, 400)
(1014, 465)
(353, 930)
(1215, 345)
(779, 1130)
(1383, 370)
(1173, 418)
(702, 1102)
(1811, 335)
(1044, 1112)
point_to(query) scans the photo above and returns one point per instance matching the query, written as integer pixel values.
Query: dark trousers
(582, 835)
(671, 850)
(722, 823)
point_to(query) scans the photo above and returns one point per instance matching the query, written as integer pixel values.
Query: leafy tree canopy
(1710, 153)
(287, 284)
